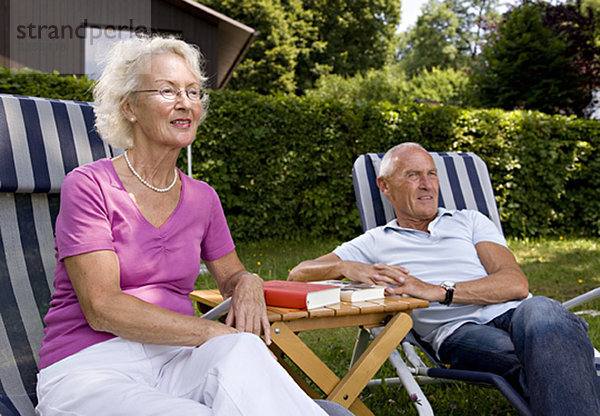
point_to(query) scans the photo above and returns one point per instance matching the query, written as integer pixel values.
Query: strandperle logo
(56, 32)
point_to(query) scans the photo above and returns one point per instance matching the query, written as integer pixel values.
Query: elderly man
(482, 316)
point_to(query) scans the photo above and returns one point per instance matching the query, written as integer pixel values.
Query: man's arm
(504, 282)
(331, 267)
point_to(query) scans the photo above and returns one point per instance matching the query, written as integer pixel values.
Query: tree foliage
(580, 28)
(391, 84)
(359, 34)
(432, 42)
(301, 40)
(447, 34)
(270, 63)
(542, 57)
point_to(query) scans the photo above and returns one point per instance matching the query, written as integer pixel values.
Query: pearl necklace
(154, 188)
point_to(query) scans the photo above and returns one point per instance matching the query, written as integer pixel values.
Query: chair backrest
(41, 140)
(464, 184)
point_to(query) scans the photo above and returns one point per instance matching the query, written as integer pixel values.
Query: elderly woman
(121, 336)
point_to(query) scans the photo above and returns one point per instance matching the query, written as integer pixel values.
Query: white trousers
(228, 375)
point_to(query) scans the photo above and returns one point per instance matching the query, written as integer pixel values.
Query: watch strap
(449, 287)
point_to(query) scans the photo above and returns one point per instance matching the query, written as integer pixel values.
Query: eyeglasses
(171, 94)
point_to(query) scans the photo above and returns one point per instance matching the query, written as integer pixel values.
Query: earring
(132, 119)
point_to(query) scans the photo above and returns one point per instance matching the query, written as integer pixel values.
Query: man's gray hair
(387, 167)
(125, 64)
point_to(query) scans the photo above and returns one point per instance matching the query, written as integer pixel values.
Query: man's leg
(558, 358)
(483, 348)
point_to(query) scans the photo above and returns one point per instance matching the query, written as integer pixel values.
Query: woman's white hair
(386, 168)
(124, 65)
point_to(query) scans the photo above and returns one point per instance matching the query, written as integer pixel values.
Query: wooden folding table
(393, 313)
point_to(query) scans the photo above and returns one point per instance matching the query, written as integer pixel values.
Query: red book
(300, 295)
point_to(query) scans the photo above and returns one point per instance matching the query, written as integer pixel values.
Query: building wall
(193, 29)
(49, 35)
(4, 24)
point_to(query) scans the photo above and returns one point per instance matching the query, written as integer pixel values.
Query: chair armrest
(218, 311)
(592, 294)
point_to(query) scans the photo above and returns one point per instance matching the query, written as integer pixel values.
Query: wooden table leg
(300, 381)
(303, 357)
(297, 351)
(348, 389)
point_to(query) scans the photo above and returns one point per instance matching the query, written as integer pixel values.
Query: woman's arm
(95, 278)
(247, 310)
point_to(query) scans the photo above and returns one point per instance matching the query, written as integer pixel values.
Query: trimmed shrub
(38, 84)
(282, 165)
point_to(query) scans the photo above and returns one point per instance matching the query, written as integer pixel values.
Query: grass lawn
(560, 268)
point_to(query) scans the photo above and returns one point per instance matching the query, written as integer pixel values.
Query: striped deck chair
(40, 141)
(464, 184)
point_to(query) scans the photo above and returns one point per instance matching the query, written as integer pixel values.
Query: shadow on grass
(562, 275)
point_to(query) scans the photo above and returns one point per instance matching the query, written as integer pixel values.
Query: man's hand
(402, 283)
(372, 273)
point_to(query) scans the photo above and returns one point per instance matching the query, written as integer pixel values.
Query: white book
(356, 292)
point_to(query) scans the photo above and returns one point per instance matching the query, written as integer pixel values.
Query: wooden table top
(212, 298)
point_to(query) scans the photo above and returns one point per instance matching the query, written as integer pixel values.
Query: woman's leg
(113, 377)
(228, 375)
(236, 374)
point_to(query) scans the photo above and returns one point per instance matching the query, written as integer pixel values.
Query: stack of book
(302, 295)
(356, 292)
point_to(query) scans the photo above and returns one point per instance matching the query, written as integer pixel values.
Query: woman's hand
(247, 311)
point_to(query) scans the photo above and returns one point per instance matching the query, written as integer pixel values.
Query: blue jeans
(541, 348)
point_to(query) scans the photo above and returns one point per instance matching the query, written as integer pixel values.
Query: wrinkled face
(158, 120)
(413, 186)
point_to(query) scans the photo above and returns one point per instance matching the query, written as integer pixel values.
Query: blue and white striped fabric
(464, 184)
(40, 141)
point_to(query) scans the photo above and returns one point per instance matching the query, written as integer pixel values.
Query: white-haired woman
(121, 336)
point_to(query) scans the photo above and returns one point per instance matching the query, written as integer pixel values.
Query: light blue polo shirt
(447, 252)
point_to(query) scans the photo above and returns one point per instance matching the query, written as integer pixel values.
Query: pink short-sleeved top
(157, 265)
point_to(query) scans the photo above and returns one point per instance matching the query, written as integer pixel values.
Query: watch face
(447, 285)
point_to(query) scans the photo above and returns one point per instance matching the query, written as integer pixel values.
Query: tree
(581, 28)
(359, 34)
(386, 84)
(446, 35)
(535, 61)
(448, 86)
(270, 63)
(301, 40)
(431, 43)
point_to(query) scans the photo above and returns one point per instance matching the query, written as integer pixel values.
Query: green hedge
(38, 84)
(282, 165)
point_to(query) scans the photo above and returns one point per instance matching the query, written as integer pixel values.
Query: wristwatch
(449, 286)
